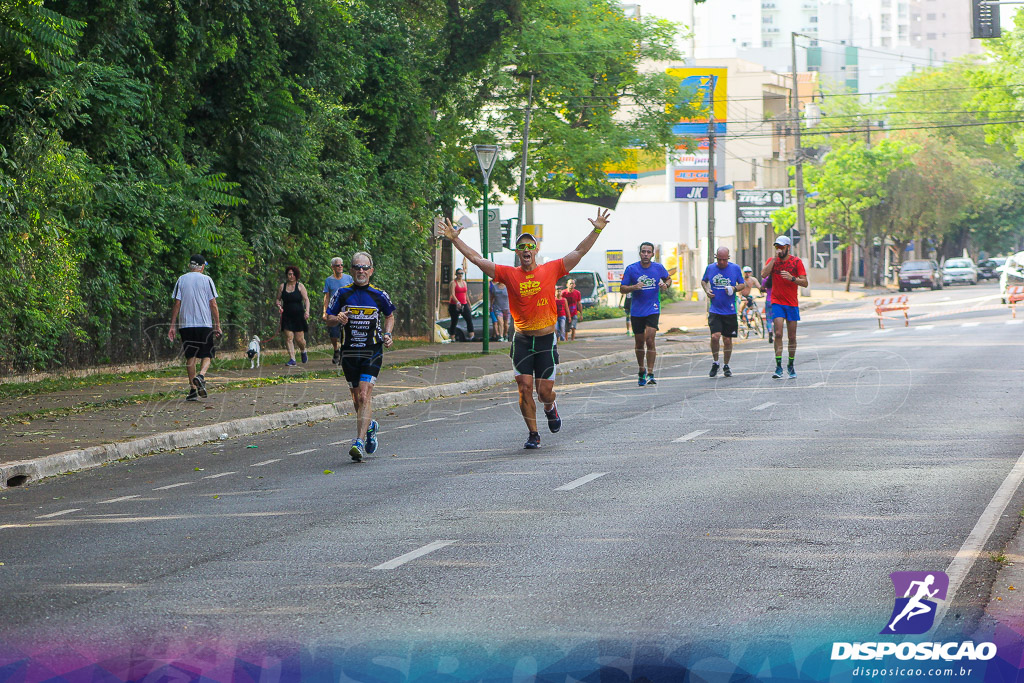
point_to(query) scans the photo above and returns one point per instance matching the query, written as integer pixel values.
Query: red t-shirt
(562, 308)
(573, 299)
(531, 295)
(784, 292)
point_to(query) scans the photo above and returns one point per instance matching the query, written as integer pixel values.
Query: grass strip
(136, 399)
(55, 384)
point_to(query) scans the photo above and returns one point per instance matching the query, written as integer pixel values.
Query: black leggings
(455, 310)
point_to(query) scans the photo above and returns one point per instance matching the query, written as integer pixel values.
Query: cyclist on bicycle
(752, 284)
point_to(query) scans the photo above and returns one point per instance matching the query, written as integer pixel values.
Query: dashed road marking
(116, 500)
(436, 419)
(815, 385)
(217, 476)
(924, 327)
(839, 334)
(265, 462)
(1014, 322)
(882, 331)
(58, 514)
(769, 404)
(308, 450)
(576, 483)
(409, 557)
(401, 427)
(970, 324)
(172, 486)
(691, 435)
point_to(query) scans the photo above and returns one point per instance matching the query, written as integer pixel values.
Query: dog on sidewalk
(254, 352)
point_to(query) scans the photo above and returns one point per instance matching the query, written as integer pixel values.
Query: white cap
(782, 241)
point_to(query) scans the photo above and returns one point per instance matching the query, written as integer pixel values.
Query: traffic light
(506, 231)
(985, 20)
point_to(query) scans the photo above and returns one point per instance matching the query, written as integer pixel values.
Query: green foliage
(601, 313)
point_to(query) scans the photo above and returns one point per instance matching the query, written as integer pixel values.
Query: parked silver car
(956, 270)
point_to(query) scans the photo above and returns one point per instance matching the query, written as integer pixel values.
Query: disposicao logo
(914, 612)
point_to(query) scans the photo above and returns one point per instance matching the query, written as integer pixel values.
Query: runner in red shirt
(788, 275)
(531, 298)
(574, 299)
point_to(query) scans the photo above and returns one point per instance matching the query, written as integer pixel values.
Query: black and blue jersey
(365, 307)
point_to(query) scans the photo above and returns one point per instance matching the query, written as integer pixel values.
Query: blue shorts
(786, 312)
(335, 331)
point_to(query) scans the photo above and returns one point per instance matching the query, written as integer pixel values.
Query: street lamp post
(486, 155)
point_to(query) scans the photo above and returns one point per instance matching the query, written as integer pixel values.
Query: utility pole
(526, 149)
(801, 220)
(711, 182)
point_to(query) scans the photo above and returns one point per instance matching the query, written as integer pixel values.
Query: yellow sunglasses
(526, 246)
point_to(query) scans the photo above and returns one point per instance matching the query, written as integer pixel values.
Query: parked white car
(959, 270)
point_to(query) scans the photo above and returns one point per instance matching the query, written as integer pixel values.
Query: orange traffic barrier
(892, 303)
(1014, 295)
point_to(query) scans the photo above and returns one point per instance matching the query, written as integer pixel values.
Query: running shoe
(371, 437)
(291, 363)
(533, 441)
(356, 451)
(714, 370)
(726, 372)
(304, 357)
(200, 383)
(554, 422)
(650, 378)
(792, 372)
(337, 357)
(641, 379)
(778, 372)
(193, 395)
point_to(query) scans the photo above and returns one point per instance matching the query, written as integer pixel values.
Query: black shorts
(361, 366)
(197, 342)
(537, 356)
(641, 323)
(727, 325)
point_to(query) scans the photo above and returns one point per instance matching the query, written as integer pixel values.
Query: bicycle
(751, 321)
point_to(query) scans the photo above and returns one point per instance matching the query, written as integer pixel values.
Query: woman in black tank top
(293, 302)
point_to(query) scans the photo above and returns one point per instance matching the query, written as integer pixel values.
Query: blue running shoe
(533, 441)
(291, 363)
(554, 421)
(371, 437)
(641, 379)
(792, 372)
(304, 357)
(778, 372)
(650, 379)
(356, 451)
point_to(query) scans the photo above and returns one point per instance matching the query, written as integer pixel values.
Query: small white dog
(254, 352)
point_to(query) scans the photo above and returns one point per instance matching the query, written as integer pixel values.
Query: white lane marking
(172, 486)
(402, 427)
(409, 557)
(970, 324)
(308, 450)
(266, 462)
(945, 298)
(465, 412)
(58, 514)
(816, 385)
(769, 404)
(116, 500)
(975, 543)
(839, 334)
(436, 419)
(1014, 322)
(581, 481)
(882, 331)
(339, 443)
(485, 408)
(217, 476)
(691, 435)
(924, 327)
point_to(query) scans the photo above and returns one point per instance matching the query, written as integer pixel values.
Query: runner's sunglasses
(361, 267)
(527, 246)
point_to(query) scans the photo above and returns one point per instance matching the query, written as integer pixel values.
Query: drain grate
(17, 480)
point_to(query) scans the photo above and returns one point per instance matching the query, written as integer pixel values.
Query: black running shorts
(537, 356)
(361, 366)
(197, 342)
(640, 323)
(727, 325)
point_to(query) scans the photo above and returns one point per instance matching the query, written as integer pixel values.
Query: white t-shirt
(195, 290)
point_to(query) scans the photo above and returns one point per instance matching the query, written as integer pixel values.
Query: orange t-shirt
(531, 295)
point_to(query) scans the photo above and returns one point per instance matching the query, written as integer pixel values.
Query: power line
(922, 125)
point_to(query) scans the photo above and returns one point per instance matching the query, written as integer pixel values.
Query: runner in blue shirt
(721, 282)
(335, 281)
(645, 280)
(359, 309)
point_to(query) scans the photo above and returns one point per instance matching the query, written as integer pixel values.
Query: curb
(27, 471)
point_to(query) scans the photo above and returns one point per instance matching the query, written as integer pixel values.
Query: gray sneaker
(193, 395)
(200, 383)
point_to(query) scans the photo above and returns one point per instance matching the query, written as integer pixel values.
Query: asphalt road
(697, 508)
